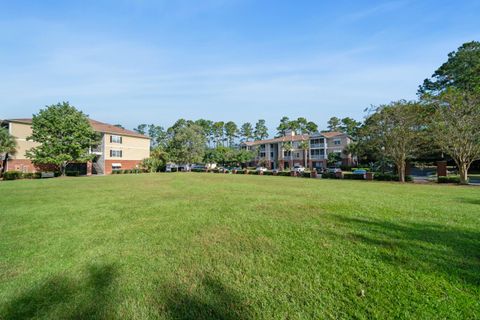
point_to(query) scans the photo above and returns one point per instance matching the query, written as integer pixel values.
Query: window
(115, 139)
(262, 154)
(271, 146)
(298, 155)
(317, 152)
(262, 147)
(337, 142)
(287, 153)
(271, 154)
(116, 153)
(116, 166)
(317, 141)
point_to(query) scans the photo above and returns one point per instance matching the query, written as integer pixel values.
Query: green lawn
(195, 245)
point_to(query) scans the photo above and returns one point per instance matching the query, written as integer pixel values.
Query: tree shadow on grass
(210, 300)
(62, 297)
(470, 200)
(418, 246)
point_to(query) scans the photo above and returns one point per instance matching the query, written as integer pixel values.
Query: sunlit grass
(190, 246)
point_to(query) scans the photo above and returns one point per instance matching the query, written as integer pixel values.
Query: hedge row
(16, 175)
(448, 179)
(128, 171)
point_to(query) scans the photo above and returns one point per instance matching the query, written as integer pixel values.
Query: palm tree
(304, 145)
(8, 146)
(288, 147)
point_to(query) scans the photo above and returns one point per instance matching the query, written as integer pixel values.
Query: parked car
(360, 172)
(199, 167)
(261, 169)
(298, 168)
(183, 167)
(334, 170)
(171, 167)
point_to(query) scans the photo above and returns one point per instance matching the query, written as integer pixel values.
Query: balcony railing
(317, 157)
(317, 145)
(97, 150)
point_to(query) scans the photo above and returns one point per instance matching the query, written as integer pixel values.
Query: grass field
(201, 246)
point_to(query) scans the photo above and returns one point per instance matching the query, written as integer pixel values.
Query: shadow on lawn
(61, 297)
(426, 247)
(210, 300)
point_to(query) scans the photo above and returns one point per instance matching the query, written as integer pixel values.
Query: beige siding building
(120, 149)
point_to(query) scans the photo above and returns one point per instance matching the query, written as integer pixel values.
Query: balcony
(317, 157)
(96, 150)
(317, 145)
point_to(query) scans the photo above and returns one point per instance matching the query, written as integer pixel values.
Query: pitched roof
(97, 126)
(299, 137)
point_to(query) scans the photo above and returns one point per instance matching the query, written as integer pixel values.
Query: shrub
(12, 175)
(241, 171)
(329, 175)
(283, 173)
(199, 170)
(174, 169)
(32, 175)
(390, 177)
(72, 173)
(306, 174)
(449, 179)
(351, 176)
(346, 168)
(268, 173)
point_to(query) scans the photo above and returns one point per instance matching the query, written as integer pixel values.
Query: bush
(117, 171)
(199, 170)
(241, 171)
(346, 168)
(351, 176)
(32, 175)
(174, 169)
(283, 173)
(268, 173)
(126, 171)
(329, 175)
(448, 179)
(306, 174)
(72, 173)
(389, 177)
(366, 169)
(12, 175)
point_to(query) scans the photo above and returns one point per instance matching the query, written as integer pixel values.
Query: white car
(261, 169)
(298, 168)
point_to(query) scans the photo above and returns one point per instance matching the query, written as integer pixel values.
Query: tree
(333, 124)
(311, 127)
(246, 131)
(462, 71)
(305, 146)
(187, 144)
(158, 135)
(395, 131)
(218, 129)
(283, 127)
(141, 128)
(207, 126)
(333, 158)
(119, 126)
(456, 127)
(261, 130)
(231, 132)
(350, 126)
(65, 136)
(156, 162)
(244, 156)
(8, 146)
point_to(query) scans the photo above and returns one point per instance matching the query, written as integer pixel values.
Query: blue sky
(135, 61)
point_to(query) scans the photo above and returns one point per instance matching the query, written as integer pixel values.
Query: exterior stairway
(97, 169)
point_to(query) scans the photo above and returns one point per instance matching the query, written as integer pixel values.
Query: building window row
(116, 153)
(115, 139)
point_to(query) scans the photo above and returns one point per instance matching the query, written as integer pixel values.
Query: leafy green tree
(141, 128)
(246, 131)
(231, 132)
(261, 130)
(65, 136)
(158, 135)
(8, 146)
(462, 71)
(395, 131)
(207, 126)
(305, 146)
(333, 158)
(119, 126)
(350, 126)
(311, 127)
(284, 126)
(244, 156)
(157, 161)
(219, 133)
(334, 124)
(187, 144)
(456, 127)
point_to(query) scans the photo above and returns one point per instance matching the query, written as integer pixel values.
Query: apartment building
(306, 150)
(119, 149)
